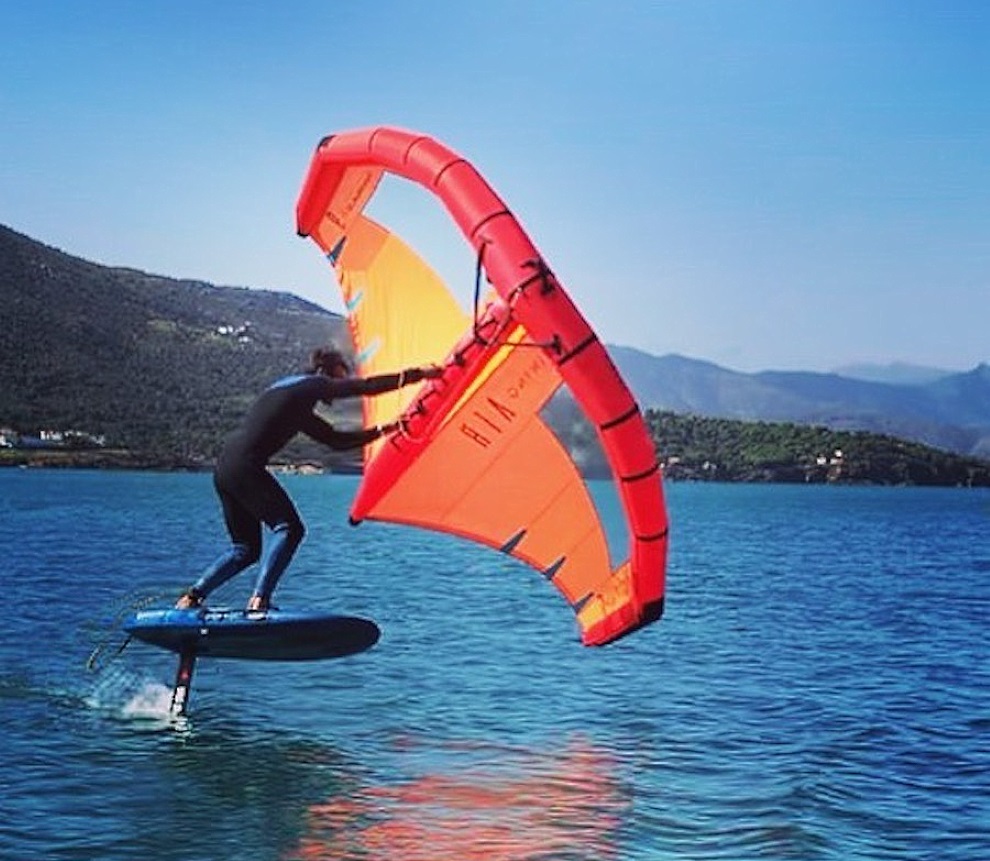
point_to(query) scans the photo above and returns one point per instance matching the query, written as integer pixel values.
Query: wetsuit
(249, 493)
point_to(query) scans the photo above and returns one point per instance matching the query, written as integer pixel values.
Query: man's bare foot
(189, 601)
(257, 604)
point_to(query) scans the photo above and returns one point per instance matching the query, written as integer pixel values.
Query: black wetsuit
(249, 493)
(282, 411)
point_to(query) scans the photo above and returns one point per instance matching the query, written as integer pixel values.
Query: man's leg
(287, 534)
(245, 535)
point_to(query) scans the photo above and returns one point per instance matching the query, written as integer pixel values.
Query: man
(248, 492)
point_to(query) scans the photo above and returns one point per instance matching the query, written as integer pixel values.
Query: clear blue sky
(766, 185)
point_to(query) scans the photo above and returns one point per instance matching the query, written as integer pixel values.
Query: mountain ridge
(893, 372)
(158, 344)
(950, 412)
(150, 344)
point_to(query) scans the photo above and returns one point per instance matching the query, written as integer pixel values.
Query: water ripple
(817, 690)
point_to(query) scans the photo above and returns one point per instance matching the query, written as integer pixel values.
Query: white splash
(130, 695)
(153, 700)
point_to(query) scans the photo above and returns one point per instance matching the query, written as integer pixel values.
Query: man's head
(329, 361)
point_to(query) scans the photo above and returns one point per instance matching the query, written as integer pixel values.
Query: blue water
(818, 689)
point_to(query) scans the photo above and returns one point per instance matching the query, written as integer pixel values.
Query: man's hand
(415, 375)
(391, 427)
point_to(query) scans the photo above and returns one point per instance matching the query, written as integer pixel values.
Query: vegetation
(162, 369)
(706, 449)
(157, 366)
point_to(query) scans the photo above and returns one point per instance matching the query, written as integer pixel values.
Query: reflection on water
(229, 792)
(496, 804)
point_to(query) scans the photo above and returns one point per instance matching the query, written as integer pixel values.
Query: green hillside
(705, 449)
(156, 365)
(162, 369)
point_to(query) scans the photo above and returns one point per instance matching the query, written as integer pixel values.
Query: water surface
(818, 688)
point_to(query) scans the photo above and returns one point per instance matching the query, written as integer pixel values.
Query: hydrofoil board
(273, 635)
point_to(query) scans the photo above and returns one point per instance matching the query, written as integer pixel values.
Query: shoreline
(124, 459)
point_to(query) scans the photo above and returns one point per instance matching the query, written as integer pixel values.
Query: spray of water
(114, 688)
(119, 690)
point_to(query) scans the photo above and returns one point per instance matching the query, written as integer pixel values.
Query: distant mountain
(898, 373)
(951, 412)
(166, 365)
(149, 362)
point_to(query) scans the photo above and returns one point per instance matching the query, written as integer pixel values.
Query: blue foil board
(277, 635)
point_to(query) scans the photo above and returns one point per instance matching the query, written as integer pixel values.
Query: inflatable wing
(476, 458)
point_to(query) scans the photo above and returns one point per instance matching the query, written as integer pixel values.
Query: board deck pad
(275, 635)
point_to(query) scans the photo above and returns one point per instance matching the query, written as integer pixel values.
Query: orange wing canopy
(477, 459)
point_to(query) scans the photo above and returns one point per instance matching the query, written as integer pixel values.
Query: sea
(819, 687)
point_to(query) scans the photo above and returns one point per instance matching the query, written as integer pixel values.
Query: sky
(792, 185)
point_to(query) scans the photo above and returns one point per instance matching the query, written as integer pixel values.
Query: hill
(151, 363)
(951, 412)
(901, 373)
(163, 369)
(706, 449)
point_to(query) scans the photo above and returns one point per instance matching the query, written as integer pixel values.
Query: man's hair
(325, 359)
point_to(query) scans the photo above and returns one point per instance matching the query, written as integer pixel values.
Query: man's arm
(324, 432)
(321, 431)
(355, 386)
